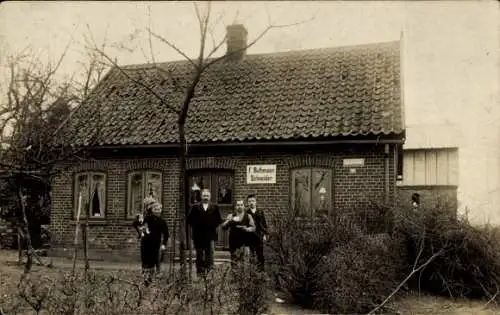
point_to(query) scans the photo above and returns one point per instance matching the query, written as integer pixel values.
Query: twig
(174, 47)
(137, 82)
(373, 311)
(492, 298)
(253, 42)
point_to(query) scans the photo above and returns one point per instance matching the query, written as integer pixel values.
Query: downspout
(386, 160)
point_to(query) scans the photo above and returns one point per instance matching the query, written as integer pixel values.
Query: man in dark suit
(204, 218)
(261, 235)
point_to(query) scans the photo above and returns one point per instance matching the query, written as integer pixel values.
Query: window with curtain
(140, 185)
(311, 191)
(91, 188)
(224, 189)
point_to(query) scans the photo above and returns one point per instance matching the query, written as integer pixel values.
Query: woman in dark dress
(153, 233)
(240, 225)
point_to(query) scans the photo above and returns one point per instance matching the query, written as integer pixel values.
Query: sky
(450, 48)
(450, 59)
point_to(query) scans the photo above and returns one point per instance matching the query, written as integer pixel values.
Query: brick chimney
(236, 41)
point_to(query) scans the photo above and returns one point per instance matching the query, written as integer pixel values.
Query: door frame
(223, 240)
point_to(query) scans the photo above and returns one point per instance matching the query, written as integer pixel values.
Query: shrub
(327, 264)
(253, 289)
(358, 275)
(469, 265)
(297, 247)
(123, 292)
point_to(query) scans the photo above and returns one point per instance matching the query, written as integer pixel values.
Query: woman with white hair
(150, 228)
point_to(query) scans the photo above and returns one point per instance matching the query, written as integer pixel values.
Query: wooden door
(221, 185)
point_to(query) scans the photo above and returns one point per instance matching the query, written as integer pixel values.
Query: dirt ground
(411, 305)
(408, 304)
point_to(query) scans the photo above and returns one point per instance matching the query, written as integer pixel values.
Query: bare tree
(35, 106)
(198, 66)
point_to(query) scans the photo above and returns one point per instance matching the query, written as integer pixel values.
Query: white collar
(253, 210)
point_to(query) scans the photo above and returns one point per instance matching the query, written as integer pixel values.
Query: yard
(404, 304)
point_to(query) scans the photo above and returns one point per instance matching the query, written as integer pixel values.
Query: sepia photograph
(250, 157)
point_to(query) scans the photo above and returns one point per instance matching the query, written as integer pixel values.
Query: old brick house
(316, 130)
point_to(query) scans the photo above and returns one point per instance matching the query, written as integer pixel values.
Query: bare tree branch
(217, 46)
(139, 83)
(198, 16)
(253, 42)
(414, 271)
(174, 47)
(203, 22)
(212, 29)
(150, 39)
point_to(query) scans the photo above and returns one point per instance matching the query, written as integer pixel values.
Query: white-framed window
(141, 184)
(91, 186)
(311, 191)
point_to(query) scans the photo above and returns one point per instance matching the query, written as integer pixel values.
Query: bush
(358, 275)
(253, 289)
(469, 265)
(327, 264)
(297, 247)
(123, 292)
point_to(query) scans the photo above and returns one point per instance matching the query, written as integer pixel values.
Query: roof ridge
(322, 92)
(279, 53)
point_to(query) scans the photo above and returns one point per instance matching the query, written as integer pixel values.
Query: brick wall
(8, 234)
(349, 190)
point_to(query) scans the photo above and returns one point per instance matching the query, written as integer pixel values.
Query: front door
(221, 185)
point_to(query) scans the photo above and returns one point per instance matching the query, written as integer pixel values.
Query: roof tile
(314, 93)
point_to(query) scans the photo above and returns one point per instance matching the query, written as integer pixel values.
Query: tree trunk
(85, 235)
(77, 227)
(20, 245)
(27, 237)
(182, 201)
(86, 243)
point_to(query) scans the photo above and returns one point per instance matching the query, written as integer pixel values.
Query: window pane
(135, 194)
(197, 184)
(321, 191)
(224, 189)
(82, 186)
(154, 186)
(301, 191)
(98, 195)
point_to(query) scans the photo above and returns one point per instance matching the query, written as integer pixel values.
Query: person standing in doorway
(240, 225)
(204, 219)
(153, 234)
(260, 235)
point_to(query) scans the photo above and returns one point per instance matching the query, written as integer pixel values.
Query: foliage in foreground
(335, 265)
(222, 291)
(358, 275)
(470, 263)
(332, 265)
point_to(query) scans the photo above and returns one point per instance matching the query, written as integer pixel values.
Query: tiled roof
(344, 91)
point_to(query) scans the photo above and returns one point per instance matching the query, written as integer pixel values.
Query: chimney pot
(236, 41)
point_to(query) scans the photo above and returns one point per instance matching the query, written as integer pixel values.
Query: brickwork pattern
(114, 232)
